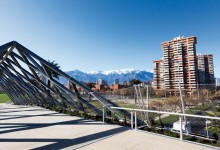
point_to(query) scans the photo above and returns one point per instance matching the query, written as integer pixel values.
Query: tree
(204, 95)
(160, 93)
(135, 81)
(115, 92)
(173, 102)
(158, 104)
(124, 92)
(51, 72)
(90, 85)
(216, 96)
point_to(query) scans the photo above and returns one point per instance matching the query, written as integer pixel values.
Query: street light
(206, 123)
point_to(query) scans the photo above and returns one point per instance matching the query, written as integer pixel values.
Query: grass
(4, 98)
(213, 112)
(168, 119)
(120, 104)
(192, 111)
(126, 105)
(97, 104)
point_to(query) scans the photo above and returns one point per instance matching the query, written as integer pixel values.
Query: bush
(216, 96)
(4, 98)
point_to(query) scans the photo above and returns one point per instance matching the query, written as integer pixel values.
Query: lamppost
(206, 123)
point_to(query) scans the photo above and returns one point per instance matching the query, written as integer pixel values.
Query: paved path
(23, 127)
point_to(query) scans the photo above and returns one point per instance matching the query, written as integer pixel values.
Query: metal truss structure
(27, 79)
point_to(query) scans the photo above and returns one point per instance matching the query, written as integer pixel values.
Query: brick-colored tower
(179, 64)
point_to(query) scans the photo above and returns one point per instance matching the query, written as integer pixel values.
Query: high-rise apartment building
(205, 69)
(116, 81)
(181, 65)
(101, 82)
(158, 74)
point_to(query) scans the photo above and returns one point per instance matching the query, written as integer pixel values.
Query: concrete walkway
(23, 127)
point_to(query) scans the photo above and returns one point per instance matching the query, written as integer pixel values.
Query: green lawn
(120, 104)
(126, 105)
(169, 119)
(4, 98)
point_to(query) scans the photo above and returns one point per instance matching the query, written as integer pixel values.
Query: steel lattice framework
(27, 79)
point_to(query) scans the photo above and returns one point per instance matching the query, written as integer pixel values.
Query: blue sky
(109, 34)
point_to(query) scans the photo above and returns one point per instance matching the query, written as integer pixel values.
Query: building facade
(158, 74)
(116, 81)
(181, 65)
(101, 82)
(205, 69)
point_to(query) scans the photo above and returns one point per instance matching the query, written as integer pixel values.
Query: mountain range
(109, 76)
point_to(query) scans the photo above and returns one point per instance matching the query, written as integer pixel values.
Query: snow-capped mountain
(110, 75)
(120, 71)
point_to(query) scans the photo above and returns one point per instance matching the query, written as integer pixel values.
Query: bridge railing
(29, 79)
(197, 128)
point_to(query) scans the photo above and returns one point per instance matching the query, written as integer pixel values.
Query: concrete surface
(24, 127)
